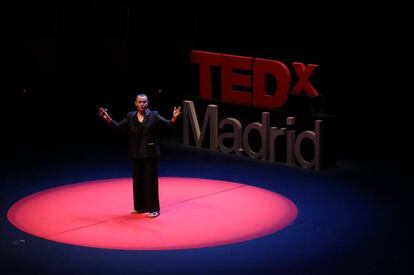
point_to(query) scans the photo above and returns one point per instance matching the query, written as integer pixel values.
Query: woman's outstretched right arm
(122, 125)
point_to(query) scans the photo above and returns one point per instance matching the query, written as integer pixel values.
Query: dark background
(65, 60)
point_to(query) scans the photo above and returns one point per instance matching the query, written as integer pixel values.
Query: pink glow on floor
(194, 213)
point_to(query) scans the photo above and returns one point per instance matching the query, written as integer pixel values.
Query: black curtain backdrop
(64, 60)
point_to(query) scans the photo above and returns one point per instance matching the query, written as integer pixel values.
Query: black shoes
(153, 214)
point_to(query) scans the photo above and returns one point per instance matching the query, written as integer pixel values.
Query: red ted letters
(260, 68)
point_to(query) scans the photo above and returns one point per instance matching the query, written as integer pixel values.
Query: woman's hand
(176, 113)
(102, 112)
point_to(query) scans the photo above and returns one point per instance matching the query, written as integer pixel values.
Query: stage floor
(348, 220)
(196, 213)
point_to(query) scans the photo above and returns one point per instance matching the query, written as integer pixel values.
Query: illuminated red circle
(194, 213)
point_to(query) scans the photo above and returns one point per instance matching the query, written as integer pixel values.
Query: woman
(144, 151)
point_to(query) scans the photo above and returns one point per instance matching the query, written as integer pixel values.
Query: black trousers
(145, 184)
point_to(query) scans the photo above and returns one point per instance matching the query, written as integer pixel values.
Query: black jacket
(143, 139)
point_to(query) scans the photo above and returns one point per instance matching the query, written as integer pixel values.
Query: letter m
(190, 120)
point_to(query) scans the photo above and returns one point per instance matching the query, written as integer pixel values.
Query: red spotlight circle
(194, 213)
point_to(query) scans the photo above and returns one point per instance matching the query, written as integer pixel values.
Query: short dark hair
(141, 95)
